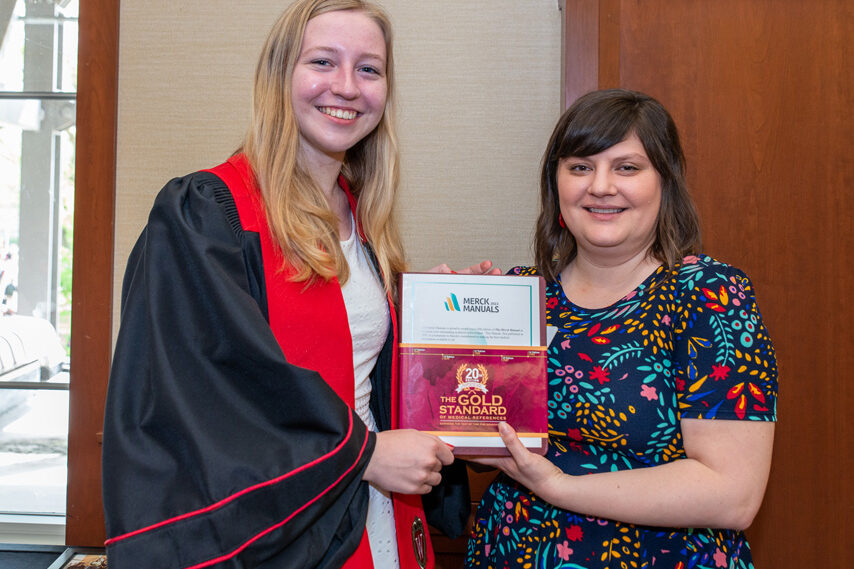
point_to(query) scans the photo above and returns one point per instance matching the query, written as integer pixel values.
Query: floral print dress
(687, 343)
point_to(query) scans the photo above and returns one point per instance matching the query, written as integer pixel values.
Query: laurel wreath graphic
(480, 384)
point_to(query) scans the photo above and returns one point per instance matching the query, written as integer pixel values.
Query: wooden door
(761, 92)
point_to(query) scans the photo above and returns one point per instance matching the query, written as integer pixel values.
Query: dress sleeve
(726, 368)
(217, 451)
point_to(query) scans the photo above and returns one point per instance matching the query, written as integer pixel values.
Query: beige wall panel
(478, 93)
(185, 79)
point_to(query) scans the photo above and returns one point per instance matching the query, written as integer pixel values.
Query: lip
(604, 211)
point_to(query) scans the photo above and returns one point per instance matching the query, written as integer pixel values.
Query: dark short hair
(596, 122)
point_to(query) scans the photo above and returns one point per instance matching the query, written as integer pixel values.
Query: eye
(321, 62)
(370, 70)
(578, 167)
(628, 168)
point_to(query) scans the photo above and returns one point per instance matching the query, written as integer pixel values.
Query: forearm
(684, 493)
(719, 484)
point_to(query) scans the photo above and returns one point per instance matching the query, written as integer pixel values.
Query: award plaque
(472, 354)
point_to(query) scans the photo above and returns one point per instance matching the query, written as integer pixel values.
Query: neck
(324, 170)
(594, 282)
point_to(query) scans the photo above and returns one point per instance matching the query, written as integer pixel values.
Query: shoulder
(221, 184)
(202, 185)
(199, 201)
(524, 271)
(705, 272)
(718, 294)
(706, 264)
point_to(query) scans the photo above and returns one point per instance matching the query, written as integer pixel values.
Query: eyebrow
(629, 156)
(333, 50)
(632, 156)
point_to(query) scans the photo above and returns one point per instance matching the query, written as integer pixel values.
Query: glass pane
(38, 55)
(33, 451)
(37, 209)
(39, 45)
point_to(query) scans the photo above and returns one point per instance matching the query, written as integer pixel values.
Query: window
(38, 75)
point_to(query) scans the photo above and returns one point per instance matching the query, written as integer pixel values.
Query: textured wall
(479, 91)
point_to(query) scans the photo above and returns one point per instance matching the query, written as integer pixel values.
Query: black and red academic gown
(230, 438)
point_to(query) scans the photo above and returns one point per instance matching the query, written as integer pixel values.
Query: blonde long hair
(300, 219)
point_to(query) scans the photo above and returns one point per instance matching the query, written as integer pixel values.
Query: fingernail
(450, 446)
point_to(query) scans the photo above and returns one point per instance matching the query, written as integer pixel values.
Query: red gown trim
(274, 527)
(252, 488)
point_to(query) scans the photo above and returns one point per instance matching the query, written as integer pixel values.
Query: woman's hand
(535, 472)
(482, 268)
(407, 461)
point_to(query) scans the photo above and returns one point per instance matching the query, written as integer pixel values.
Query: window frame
(92, 280)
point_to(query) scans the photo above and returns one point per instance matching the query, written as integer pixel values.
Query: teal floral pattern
(687, 343)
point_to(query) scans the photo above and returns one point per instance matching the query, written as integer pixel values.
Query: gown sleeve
(217, 451)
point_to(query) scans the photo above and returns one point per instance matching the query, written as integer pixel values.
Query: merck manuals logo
(451, 304)
(471, 304)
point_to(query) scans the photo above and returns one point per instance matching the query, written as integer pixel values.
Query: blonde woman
(249, 409)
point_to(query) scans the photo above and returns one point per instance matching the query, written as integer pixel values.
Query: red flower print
(521, 511)
(720, 558)
(756, 392)
(564, 550)
(737, 391)
(740, 407)
(680, 384)
(552, 302)
(600, 338)
(719, 299)
(600, 375)
(574, 434)
(648, 392)
(719, 372)
(575, 533)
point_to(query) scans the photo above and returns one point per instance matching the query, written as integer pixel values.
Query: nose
(602, 183)
(345, 84)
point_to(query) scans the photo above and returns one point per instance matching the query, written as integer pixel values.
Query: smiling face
(339, 86)
(610, 200)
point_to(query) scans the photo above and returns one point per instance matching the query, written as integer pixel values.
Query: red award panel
(460, 393)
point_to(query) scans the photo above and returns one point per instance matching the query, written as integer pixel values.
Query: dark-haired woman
(662, 378)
